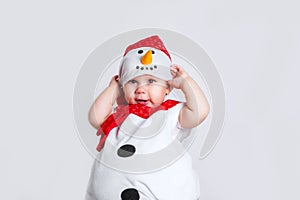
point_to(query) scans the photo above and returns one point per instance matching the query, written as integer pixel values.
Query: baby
(141, 156)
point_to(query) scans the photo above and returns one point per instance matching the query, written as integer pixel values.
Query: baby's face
(146, 89)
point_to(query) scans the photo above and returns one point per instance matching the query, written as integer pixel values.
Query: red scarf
(122, 112)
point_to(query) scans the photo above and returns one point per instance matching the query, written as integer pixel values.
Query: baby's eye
(151, 81)
(132, 81)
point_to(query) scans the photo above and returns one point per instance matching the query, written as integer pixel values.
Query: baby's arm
(102, 107)
(196, 107)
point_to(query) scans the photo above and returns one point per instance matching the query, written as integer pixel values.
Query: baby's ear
(170, 88)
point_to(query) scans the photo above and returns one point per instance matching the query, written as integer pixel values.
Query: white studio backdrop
(255, 46)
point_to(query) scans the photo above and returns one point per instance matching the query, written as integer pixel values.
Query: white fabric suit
(144, 159)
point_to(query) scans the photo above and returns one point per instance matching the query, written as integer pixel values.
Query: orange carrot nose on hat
(147, 56)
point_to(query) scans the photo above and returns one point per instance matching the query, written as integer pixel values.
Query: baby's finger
(173, 73)
(172, 68)
(177, 67)
(114, 79)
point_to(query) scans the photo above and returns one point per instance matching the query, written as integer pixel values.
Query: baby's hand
(114, 82)
(179, 76)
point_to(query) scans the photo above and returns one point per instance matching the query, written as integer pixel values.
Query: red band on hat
(153, 41)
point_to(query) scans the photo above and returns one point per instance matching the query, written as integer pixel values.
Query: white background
(254, 44)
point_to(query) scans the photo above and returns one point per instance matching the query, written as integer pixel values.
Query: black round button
(130, 194)
(126, 150)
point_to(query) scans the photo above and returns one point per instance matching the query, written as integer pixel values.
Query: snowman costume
(140, 152)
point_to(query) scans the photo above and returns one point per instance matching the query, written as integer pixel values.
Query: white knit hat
(147, 56)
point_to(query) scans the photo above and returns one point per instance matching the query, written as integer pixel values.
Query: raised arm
(196, 107)
(102, 107)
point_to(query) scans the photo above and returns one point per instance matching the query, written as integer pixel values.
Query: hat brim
(159, 71)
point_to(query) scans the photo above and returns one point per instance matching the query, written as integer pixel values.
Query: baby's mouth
(142, 101)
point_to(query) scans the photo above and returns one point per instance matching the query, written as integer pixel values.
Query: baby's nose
(141, 89)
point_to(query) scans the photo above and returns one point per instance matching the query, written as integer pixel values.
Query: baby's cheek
(130, 100)
(161, 96)
(127, 98)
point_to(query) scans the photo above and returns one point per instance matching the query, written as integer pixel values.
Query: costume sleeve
(179, 126)
(178, 131)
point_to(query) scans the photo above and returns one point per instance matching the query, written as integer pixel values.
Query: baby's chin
(151, 105)
(148, 102)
